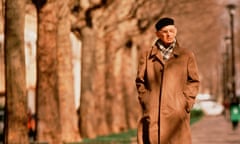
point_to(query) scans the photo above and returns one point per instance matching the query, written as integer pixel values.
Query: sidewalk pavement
(215, 130)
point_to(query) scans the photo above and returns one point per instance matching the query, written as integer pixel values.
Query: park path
(215, 130)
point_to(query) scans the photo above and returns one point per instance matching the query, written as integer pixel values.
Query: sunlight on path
(215, 130)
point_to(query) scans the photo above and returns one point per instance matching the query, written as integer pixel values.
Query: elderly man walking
(167, 82)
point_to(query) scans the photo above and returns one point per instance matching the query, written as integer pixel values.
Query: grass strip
(130, 135)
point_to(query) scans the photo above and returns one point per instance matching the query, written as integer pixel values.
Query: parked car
(208, 105)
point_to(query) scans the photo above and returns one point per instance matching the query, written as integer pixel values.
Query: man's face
(167, 34)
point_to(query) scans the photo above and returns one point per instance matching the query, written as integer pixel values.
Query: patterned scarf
(166, 51)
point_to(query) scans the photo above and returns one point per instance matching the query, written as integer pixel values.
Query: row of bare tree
(56, 116)
(112, 32)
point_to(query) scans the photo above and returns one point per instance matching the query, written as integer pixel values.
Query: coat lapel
(155, 53)
(176, 50)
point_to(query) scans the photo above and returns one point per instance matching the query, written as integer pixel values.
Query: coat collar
(155, 52)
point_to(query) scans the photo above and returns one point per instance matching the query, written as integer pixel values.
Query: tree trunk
(16, 103)
(48, 124)
(2, 65)
(87, 101)
(68, 114)
(114, 98)
(99, 87)
(129, 93)
(119, 120)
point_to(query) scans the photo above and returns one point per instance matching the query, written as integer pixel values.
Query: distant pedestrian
(31, 126)
(235, 112)
(167, 82)
(226, 111)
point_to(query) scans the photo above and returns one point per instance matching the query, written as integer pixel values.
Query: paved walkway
(215, 130)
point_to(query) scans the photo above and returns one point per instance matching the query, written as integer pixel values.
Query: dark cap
(163, 22)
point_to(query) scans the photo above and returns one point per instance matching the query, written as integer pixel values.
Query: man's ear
(175, 30)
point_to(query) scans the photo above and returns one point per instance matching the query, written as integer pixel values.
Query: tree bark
(99, 87)
(132, 109)
(87, 100)
(48, 115)
(68, 113)
(114, 99)
(16, 100)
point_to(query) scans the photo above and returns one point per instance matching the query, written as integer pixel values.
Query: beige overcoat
(167, 91)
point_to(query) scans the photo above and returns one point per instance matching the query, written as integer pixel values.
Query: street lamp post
(226, 69)
(231, 9)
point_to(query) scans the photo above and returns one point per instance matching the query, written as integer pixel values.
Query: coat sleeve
(140, 79)
(192, 86)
